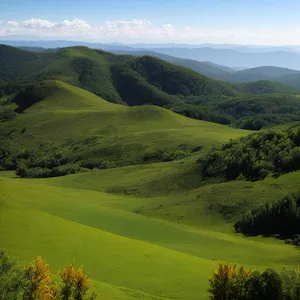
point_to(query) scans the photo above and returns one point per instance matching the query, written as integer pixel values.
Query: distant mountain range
(216, 71)
(65, 43)
(232, 63)
(140, 79)
(241, 48)
(50, 44)
(233, 56)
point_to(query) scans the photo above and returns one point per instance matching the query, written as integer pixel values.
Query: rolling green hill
(110, 134)
(133, 254)
(60, 124)
(108, 220)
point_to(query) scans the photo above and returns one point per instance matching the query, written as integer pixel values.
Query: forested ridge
(132, 80)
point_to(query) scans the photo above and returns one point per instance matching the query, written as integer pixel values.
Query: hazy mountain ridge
(139, 80)
(221, 72)
(222, 54)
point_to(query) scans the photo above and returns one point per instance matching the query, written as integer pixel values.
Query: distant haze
(230, 55)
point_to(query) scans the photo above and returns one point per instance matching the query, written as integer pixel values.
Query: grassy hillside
(94, 132)
(122, 248)
(100, 230)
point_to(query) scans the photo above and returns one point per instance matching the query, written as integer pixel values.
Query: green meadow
(128, 254)
(142, 229)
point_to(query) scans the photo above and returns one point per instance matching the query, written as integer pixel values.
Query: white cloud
(168, 27)
(35, 24)
(145, 31)
(39, 27)
(74, 24)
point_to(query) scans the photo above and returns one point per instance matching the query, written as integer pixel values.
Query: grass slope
(119, 247)
(92, 130)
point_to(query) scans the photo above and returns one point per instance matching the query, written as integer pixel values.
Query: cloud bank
(144, 31)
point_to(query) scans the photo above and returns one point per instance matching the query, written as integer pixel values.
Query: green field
(66, 218)
(142, 230)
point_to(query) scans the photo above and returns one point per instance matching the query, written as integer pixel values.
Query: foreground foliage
(11, 277)
(231, 283)
(34, 281)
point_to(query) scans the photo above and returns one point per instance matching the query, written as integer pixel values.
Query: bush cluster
(231, 283)
(281, 219)
(38, 163)
(255, 156)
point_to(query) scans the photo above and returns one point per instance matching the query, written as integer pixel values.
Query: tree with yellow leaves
(39, 285)
(75, 284)
(229, 282)
(222, 281)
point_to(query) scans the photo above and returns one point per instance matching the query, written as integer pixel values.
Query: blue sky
(255, 21)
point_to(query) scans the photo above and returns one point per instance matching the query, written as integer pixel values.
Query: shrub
(7, 115)
(223, 281)
(11, 277)
(34, 281)
(281, 218)
(290, 284)
(230, 283)
(38, 281)
(255, 156)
